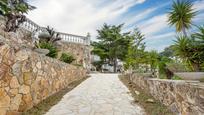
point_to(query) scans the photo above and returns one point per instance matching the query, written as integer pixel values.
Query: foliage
(100, 50)
(181, 15)
(153, 60)
(162, 66)
(4, 9)
(52, 49)
(112, 44)
(13, 10)
(67, 58)
(15, 7)
(98, 65)
(52, 36)
(168, 52)
(199, 37)
(136, 54)
(190, 50)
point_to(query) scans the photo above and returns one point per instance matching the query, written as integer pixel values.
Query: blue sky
(83, 16)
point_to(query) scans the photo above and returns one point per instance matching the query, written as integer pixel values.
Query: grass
(46, 104)
(154, 108)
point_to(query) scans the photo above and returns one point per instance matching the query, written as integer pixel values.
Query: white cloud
(78, 16)
(199, 18)
(154, 25)
(159, 42)
(130, 21)
(158, 48)
(163, 36)
(199, 5)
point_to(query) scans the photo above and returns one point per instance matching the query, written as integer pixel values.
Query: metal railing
(32, 26)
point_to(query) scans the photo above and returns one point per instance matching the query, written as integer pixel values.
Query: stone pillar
(88, 52)
(88, 39)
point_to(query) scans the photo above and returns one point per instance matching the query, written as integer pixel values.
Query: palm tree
(50, 36)
(181, 15)
(188, 50)
(181, 47)
(199, 36)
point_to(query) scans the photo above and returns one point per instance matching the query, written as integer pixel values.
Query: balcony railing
(32, 26)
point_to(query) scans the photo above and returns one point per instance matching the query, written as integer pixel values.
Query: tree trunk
(184, 32)
(115, 65)
(196, 67)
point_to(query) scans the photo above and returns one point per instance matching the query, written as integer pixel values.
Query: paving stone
(101, 94)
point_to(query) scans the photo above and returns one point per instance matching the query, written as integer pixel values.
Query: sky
(82, 16)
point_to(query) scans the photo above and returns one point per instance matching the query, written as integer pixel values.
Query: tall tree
(181, 15)
(112, 45)
(136, 54)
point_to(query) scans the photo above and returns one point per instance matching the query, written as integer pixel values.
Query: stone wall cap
(169, 80)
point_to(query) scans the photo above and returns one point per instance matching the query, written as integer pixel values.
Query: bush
(67, 58)
(53, 50)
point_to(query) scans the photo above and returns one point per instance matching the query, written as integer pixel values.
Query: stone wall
(23, 37)
(26, 77)
(182, 97)
(79, 51)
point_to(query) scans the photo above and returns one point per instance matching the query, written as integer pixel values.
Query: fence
(32, 26)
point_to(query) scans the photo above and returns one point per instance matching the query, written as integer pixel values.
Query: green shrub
(67, 58)
(53, 50)
(175, 77)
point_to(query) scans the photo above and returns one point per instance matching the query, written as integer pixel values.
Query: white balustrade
(32, 26)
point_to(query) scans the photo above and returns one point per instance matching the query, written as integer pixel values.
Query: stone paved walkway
(101, 94)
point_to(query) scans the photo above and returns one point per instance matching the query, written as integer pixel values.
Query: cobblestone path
(101, 94)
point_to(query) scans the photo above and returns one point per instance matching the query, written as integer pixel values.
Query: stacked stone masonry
(77, 50)
(81, 52)
(26, 77)
(182, 97)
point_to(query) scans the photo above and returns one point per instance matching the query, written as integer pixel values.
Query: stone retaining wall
(182, 97)
(81, 52)
(77, 50)
(26, 78)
